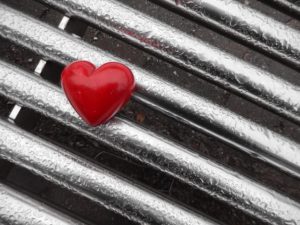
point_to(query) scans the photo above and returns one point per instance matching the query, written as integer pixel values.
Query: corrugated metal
(152, 149)
(289, 5)
(91, 181)
(127, 197)
(247, 24)
(157, 93)
(201, 58)
(17, 208)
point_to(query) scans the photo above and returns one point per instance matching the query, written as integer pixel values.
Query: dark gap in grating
(17, 55)
(28, 60)
(205, 145)
(5, 168)
(32, 183)
(211, 206)
(27, 118)
(62, 199)
(52, 71)
(36, 9)
(5, 106)
(76, 26)
(137, 171)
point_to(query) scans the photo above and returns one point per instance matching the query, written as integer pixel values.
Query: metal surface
(292, 6)
(199, 57)
(151, 149)
(247, 189)
(158, 93)
(242, 22)
(91, 181)
(19, 209)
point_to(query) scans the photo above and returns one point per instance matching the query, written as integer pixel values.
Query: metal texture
(200, 58)
(19, 209)
(91, 181)
(118, 194)
(292, 6)
(242, 22)
(158, 93)
(147, 147)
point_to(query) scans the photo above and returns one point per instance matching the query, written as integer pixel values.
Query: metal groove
(151, 149)
(200, 58)
(289, 5)
(157, 93)
(17, 209)
(249, 25)
(91, 181)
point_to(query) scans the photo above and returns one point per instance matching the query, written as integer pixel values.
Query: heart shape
(97, 94)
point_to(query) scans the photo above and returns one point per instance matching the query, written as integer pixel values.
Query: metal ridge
(91, 181)
(248, 25)
(289, 5)
(17, 208)
(147, 147)
(196, 56)
(157, 93)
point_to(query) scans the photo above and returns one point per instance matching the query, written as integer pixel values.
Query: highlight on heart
(97, 94)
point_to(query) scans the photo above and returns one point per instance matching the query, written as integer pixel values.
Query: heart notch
(97, 94)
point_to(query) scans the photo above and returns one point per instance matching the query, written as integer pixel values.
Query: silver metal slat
(91, 181)
(290, 5)
(196, 56)
(164, 96)
(19, 209)
(148, 148)
(247, 24)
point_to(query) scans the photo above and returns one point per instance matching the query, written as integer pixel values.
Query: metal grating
(21, 208)
(291, 6)
(240, 197)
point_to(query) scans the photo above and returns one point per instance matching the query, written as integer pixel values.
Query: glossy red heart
(97, 94)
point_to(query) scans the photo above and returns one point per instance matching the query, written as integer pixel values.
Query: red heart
(97, 94)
